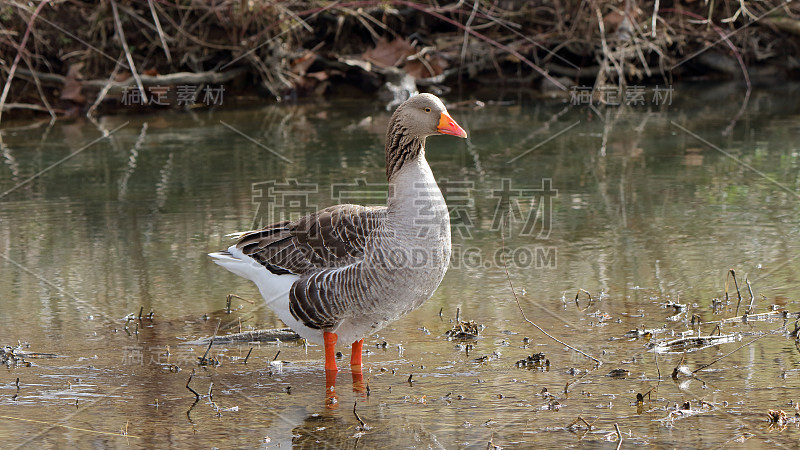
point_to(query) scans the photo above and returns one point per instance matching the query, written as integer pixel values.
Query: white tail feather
(274, 288)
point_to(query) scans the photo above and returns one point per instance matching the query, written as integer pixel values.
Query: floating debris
(576, 372)
(677, 317)
(766, 317)
(644, 333)
(778, 417)
(601, 316)
(694, 343)
(486, 358)
(270, 335)
(684, 411)
(464, 330)
(678, 307)
(16, 356)
(212, 361)
(536, 360)
(575, 424)
(619, 373)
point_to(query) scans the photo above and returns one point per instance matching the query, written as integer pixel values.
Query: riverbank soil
(70, 58)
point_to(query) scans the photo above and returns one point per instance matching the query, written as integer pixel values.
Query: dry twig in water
(525, 318)
(727, 354)
(196, 395)
(364, 426)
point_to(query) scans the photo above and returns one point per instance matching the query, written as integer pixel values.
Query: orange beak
(449, 126)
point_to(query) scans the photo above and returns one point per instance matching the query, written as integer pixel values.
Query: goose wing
(331, 238)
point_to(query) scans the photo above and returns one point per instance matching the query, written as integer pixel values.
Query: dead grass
(55, 54)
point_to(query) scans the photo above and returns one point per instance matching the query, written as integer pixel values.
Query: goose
(346, 271)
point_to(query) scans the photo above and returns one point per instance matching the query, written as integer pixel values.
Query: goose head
(425, 115)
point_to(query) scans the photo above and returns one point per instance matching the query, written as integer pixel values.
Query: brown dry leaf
(320, 76)
(418, 70)
(72, 84)
(302, 64)
(389, 54)
(612, 21)
(315, 83)
(150, 72)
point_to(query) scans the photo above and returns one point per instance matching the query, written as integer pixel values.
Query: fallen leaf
(72, 84)
(418, 69)
(389, 54)
(303, 63)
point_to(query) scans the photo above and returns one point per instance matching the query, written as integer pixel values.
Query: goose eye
(427, 110)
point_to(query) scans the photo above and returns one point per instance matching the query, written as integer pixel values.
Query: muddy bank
(75, 58)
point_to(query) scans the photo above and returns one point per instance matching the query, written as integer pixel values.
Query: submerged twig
(210, 343)
(585, 292)
(232, 296)
(364, 426)
(756, 317)
(728, 354)
(580, 419)
(752, 297)
(732, 274)
(83, 430)
(269, 335)
(693, 343)
(577, 301)
(196, 395)
(525, 318)
(658, 369)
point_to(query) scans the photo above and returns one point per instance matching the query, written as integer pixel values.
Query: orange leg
(355, 357)
(330, 351)
(331, 399)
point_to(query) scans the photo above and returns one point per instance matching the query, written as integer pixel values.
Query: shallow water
(643, 214)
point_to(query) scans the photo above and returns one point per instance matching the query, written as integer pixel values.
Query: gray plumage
(358, 268)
